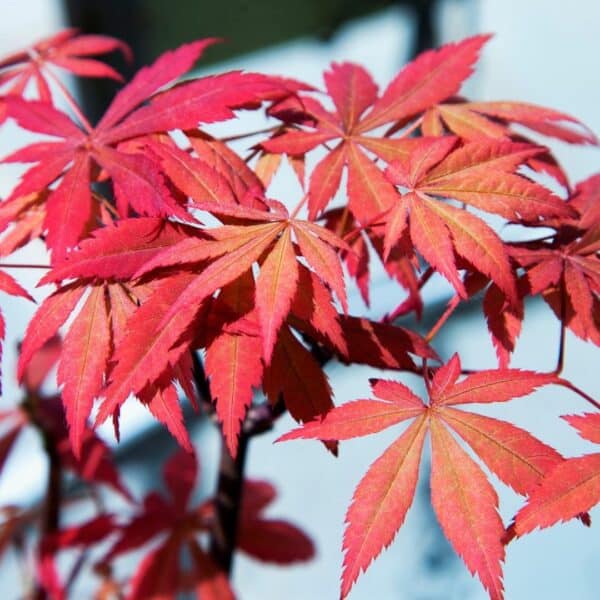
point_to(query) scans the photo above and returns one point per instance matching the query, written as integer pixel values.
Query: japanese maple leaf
(231, 251)
(66, 50)
(160, 571)
(464, 501)
(137, 180)
(565, 268)
(569, 489)
(430, 78)
(478, 174)
(115, 252)
(474, 121)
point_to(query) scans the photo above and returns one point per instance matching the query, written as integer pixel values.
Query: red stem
(70, 101)
(452, 305)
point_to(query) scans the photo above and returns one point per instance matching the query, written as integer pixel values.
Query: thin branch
(228, 503)
(452, 305)
(299, 206)
(23, 266)
(579, 392)
(241, 136)
(561, 347)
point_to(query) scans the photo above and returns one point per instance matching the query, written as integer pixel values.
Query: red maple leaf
(138, 110)
(464, 501)
(432, 77)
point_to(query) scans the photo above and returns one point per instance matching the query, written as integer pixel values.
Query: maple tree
(174, 270)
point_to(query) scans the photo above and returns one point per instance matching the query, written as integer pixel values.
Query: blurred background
(544, 52)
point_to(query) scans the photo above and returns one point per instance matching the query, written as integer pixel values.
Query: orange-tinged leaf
(580, 296)
(510, 196)
(463, 122)
(396, 392)
(234, 367)
(570, 489)
(313, 313)
(297, 142)
(482, 157)
(466, 506)
(514, 455)
(389, 149)
(396, 226)
(381, 501)
(84, 358)
(225, 269)
(275, 289)
(266, 167)
(544, 120)
(226, 239)
(426, 153)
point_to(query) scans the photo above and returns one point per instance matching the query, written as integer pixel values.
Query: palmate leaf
(234, 249)
(479, 174)
(67, 50)
(464, 501)
(275, 290)
(565, 267)
(423, 83)
(570, 489)
(138, 180)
